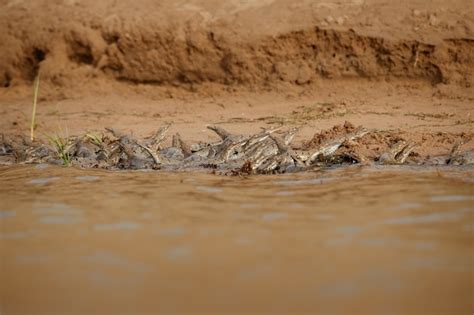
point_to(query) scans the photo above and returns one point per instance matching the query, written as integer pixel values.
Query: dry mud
(149, 55)
(183, 43)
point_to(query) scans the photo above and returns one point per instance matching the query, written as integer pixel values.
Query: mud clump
(376, 142)
(325, 135)
(245, 170)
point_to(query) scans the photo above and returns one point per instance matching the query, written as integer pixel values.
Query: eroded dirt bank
(256, 43)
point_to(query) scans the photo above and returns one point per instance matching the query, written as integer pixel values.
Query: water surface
(368, 240)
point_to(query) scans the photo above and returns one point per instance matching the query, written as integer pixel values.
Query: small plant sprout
(96, 139)
(33, 114)
(62, 147)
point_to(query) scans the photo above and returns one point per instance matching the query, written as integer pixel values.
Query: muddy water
(367, 240)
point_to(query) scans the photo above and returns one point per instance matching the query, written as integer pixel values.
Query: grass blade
(35, 101)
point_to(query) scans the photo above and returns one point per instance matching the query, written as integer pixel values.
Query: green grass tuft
(96, 139)
(62, 146)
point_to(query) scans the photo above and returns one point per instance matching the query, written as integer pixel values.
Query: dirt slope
(256, 43)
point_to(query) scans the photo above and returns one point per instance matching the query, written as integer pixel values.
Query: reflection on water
(43, 181)
(428, 218)
(7, 213)
(122, 225)
(87, 178)
(362, 239)
(451, 198)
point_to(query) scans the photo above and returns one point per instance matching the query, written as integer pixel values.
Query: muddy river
(354, 240)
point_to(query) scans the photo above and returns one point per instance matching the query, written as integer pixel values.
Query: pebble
(433, 20)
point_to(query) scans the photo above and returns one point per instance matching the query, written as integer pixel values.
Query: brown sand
(404, 66)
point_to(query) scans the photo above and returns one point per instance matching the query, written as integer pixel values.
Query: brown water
(359, 240)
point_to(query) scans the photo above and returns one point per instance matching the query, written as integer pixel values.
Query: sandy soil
(405, 66)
